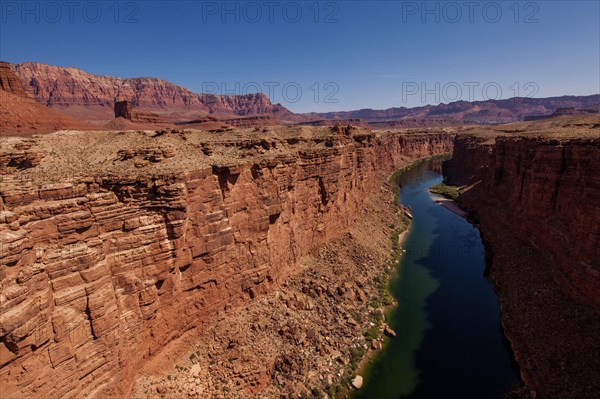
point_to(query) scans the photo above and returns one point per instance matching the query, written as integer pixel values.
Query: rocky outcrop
(21, 156)
(537, 201)
(69, 89)
(101, 272)
(123, 109)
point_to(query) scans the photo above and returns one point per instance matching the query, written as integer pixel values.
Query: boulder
(357, 382)
(195, 370)
(376, 345)
(389, 332)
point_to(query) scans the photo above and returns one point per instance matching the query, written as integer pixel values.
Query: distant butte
(123, 109)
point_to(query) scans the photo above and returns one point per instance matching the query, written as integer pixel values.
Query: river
(449, 343)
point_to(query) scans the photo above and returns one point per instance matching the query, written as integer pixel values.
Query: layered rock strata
(102, 269)
(70, 89)
(538, 203)
(122, 109)
(21, 115)
(9, 82)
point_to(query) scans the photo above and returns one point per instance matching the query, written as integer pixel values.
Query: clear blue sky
(362, 54)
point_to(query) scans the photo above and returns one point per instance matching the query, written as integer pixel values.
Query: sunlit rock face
(100, 272)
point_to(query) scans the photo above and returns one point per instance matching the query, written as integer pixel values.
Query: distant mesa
(489, 112)
(241, 122)
(92, 97)
(332, 122)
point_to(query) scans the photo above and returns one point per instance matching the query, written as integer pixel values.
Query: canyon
(162, 243)
(536, 199)
(116, 244)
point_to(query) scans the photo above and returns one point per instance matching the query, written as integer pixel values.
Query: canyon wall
(100, 273)
(470, 159)
(538, 204)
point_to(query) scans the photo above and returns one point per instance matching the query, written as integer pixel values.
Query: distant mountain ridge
(77, 92)
(477, 112)
(91, 97)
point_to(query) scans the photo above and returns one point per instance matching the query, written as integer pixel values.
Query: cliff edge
(115, 244)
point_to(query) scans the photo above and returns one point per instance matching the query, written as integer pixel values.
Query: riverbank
(451, 205)
(379, 340)
(446, 195)
(532, 304)
(377, 335)
(307, 338)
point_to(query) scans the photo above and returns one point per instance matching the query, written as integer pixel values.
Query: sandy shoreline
(451, 205)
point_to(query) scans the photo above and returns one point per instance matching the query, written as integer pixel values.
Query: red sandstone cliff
(89, 96)
(100, 272)
(21, 115)
(9, 82)
(538, 201)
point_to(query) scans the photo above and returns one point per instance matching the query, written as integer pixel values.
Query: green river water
(450, 343)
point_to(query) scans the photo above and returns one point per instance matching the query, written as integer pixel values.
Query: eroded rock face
(123, 109)
(538, 201)
(470, 160)
(550, 190)
(21, 115)
(19, 156)
(9, 82)
(64, 87)
(100, 273)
